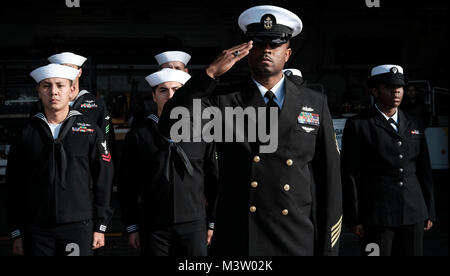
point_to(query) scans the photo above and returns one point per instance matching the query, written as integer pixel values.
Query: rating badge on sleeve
(106, 155)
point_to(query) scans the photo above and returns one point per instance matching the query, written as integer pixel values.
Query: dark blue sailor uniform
(387, 180)
(59, 189)
(167, 191)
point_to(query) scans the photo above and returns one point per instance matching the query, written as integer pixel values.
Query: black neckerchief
(57, 155)
(173, 147)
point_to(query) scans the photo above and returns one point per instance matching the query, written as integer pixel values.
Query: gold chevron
(337, 224)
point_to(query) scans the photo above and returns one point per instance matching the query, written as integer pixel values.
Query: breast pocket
(303, 143)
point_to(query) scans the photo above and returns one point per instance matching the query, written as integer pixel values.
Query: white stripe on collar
(153, 117)
(81, 93)
(41, 116)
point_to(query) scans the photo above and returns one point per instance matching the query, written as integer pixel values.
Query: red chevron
(107, 158)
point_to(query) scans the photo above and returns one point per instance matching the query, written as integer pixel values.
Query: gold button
(252, 209)
(285, 212)
(289, 162)
(254, 184)
(287, 187)
(256, 159)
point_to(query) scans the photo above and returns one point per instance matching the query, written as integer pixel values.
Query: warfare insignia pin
(307, 108)
(307, 129)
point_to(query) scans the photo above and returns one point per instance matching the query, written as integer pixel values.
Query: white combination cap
(173, 56)
(54, 71)
(387, 68)
(293, 71)
(270, 21)
(67, 58)
(166, 75)
(388, 74)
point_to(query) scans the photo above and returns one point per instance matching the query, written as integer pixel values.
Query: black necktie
(271, 103)
(391, 121)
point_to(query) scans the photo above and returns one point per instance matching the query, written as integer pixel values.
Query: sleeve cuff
(100, 228)
(204, 85)
(16, 234)
(132, 228)
(211, 225)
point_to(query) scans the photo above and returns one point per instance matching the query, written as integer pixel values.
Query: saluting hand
(227, 59)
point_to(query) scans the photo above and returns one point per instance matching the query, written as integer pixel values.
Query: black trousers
(180, 239)
(71, 239)
(393, 241)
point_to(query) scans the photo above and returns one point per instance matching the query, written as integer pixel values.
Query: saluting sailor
(283, 203)
(164, 186)
(387, 179)
(59, 175)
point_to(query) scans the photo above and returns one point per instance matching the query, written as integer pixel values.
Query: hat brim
(389, 79)
(267, 38)
(393, 81)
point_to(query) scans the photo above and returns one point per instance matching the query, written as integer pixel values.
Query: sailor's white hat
(167, 74)
(54, 71)
(67, 58)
